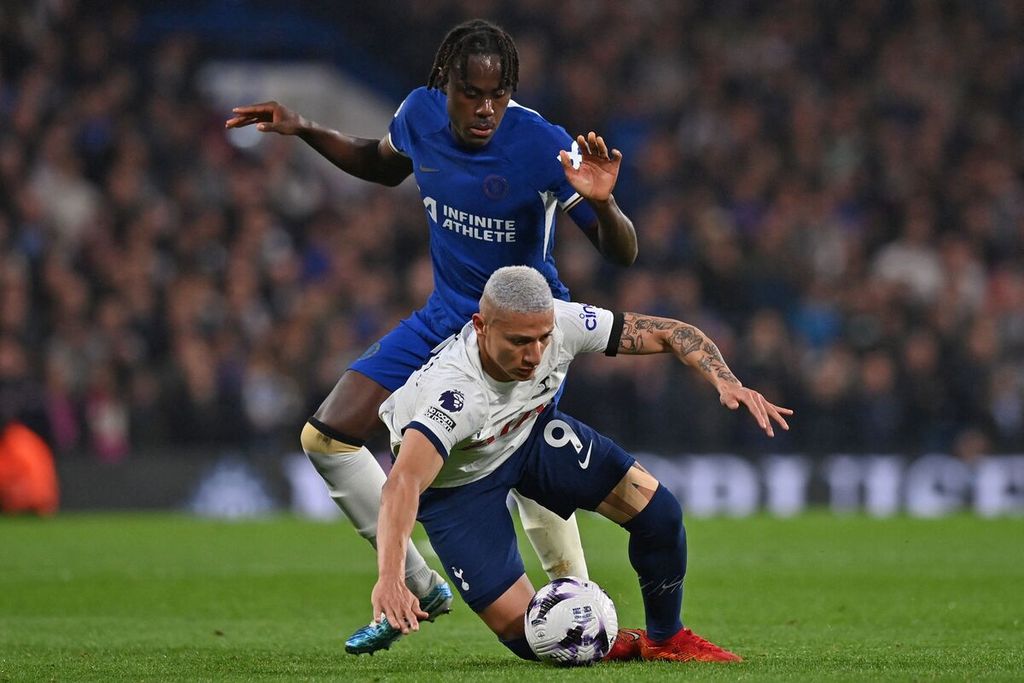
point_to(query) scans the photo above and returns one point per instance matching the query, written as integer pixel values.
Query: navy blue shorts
(564, 465)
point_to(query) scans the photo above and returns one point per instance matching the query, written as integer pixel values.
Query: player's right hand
(393, 601)
(732, 396)
(598, 168)
(269, 117)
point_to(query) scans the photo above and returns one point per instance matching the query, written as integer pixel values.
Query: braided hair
(475, 37)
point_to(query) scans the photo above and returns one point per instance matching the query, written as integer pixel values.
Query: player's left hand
(733, 395)
(392, 600)
(597, 171)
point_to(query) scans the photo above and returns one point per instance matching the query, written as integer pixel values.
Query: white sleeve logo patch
(575, 158)
(452, 400)
(589, 317)
(441, 417)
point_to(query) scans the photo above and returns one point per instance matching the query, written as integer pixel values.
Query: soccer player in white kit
(478, 419)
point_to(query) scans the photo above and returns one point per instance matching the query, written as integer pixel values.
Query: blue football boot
(380, 635)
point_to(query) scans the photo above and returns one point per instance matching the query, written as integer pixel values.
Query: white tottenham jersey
(477, 422)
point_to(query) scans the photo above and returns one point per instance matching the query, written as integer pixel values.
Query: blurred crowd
(834, 191)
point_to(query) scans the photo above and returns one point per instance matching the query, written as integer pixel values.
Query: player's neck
(493, 370)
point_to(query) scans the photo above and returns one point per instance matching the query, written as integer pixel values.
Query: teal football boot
(380, 635)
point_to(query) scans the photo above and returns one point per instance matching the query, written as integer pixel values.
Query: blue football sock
(520, 647)
(657, 551)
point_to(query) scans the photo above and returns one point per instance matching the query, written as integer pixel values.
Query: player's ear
(479, 324)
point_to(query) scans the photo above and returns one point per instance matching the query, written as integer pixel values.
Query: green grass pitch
(158, 597)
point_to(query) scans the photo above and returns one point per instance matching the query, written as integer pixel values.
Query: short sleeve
(588, 329)
(400, 131)
(449, 414)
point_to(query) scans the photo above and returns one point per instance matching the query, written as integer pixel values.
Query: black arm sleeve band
(616, 335)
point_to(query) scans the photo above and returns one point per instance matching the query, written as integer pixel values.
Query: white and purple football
(571, 622)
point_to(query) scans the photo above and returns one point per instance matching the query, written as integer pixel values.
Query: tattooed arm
(643, 334)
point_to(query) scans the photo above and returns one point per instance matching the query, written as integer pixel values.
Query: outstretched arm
(643, 334)
(417, 465)
(593, 173)
(372, 160)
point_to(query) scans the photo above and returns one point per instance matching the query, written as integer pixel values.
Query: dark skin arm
(377, 162)
(614, 235)
(644, 334)
(372, 160)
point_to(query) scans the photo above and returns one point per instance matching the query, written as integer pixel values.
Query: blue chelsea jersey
(488, 207)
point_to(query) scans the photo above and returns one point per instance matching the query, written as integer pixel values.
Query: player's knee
(316, 439)
(333, 458)
(662, 517)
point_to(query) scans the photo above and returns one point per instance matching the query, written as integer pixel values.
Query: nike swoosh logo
(427, 169)
(585, 462)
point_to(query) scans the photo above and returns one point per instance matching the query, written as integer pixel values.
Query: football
(571, 622)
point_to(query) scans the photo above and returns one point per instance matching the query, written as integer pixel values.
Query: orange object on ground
(28, 477)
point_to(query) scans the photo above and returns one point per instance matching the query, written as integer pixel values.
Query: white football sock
(555, 540)
(354, 480)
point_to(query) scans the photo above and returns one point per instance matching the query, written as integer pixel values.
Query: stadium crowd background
(833, 190)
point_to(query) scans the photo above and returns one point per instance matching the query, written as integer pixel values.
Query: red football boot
(626, 646)
(685, 646)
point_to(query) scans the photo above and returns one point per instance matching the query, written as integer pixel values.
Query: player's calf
(657, 551)
(354, 480)
(555, 540)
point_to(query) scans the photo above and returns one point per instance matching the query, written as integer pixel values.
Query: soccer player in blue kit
(491, 174)
(479, 418)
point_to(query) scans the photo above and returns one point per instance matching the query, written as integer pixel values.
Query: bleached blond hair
(518, 289)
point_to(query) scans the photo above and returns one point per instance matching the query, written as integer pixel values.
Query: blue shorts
(564, 465)
(390, 360)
